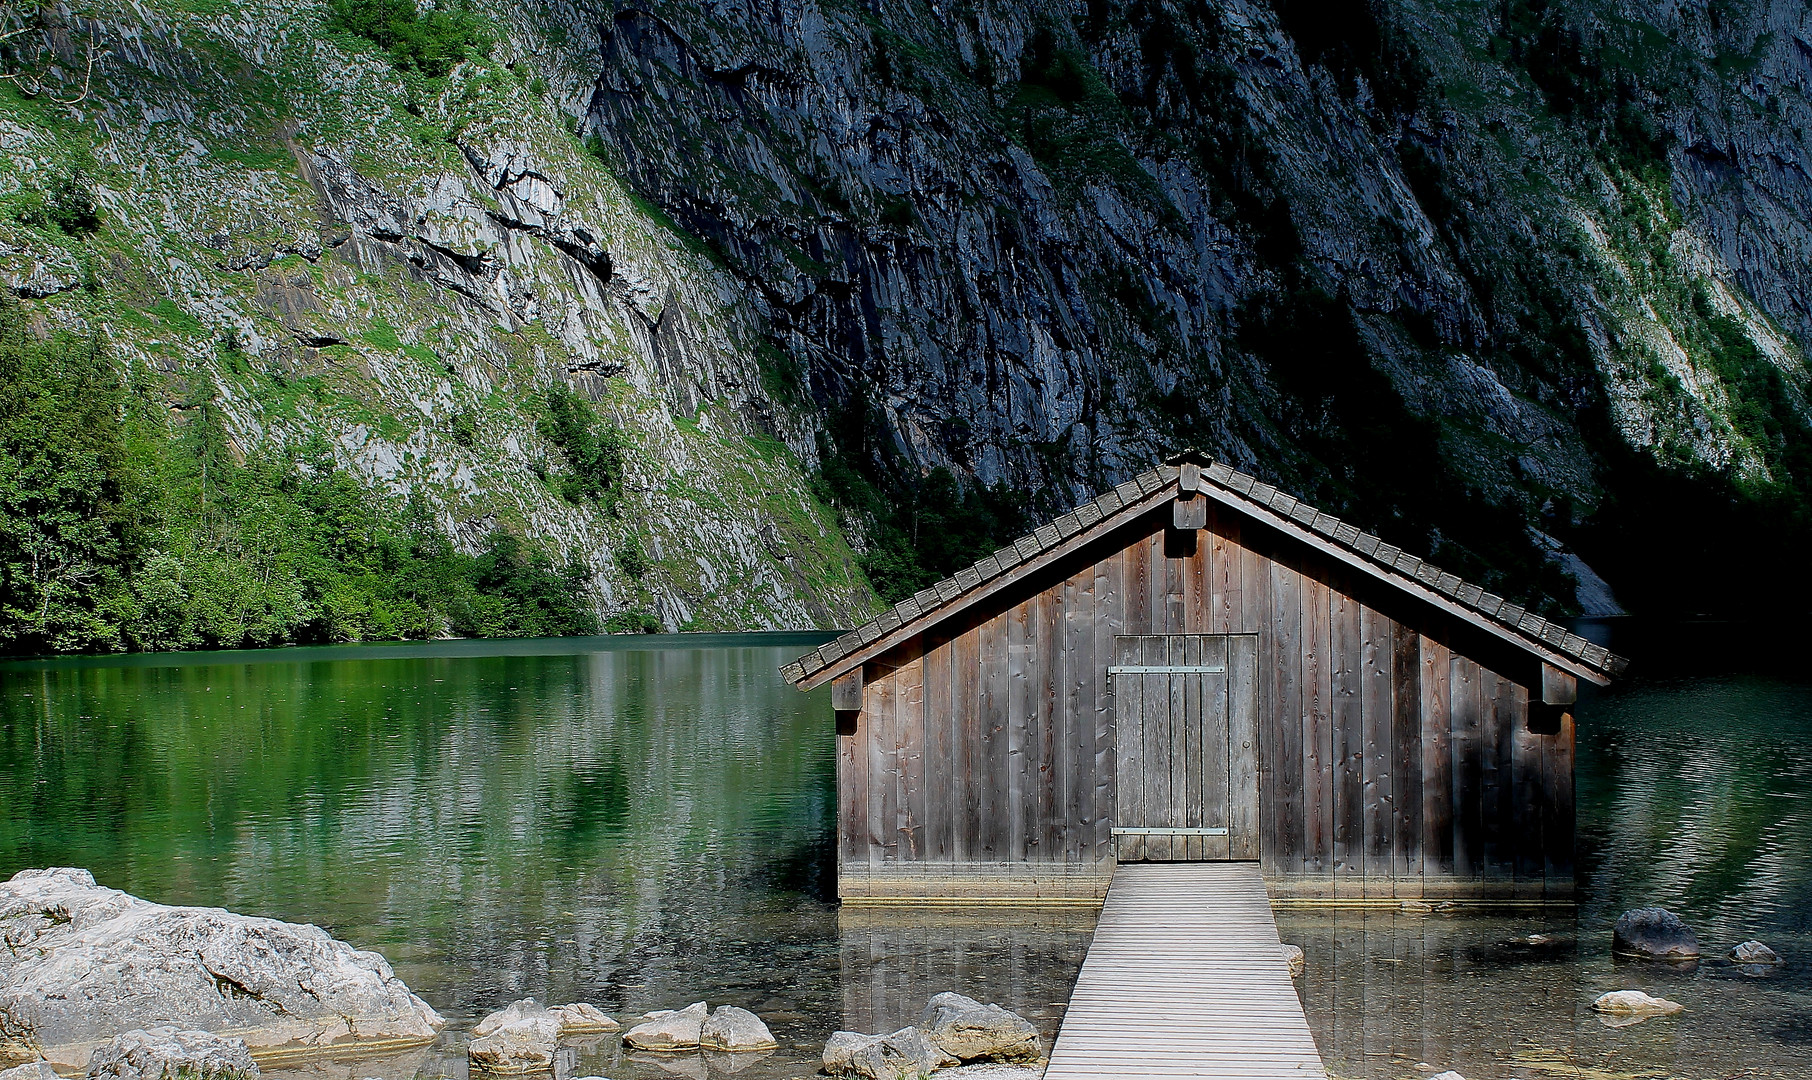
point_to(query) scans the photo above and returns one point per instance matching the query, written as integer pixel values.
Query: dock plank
(1185, 978)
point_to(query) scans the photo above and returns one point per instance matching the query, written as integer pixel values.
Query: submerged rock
(1635, 1003)
(1754, 953)
(734, 1029)
(970, 1031)
(87, 963)
(170, 1053)
(582, 1018)
(1294, 960)
(676, 1030)
(903, 1055)
(522, 1045)
(1654, 933)
(575, 1019)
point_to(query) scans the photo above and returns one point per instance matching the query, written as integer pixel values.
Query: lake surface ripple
(645, 822)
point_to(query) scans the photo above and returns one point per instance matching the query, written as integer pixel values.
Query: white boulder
(677, 1030)
(86, 963)
(1294, 960)
(578, 1018)
(734, 1029)
(907, 1054)
(170, 1053)
(970, 1031)
(1754, 952)
(522, 1045)
(1635, 1003)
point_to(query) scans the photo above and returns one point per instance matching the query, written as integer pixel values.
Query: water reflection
(1392, 995)
(642, 823)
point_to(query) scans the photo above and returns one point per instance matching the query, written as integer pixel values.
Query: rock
(575, 1019)
(1294, 960)
(905, 1054)
(580, 1018)
(1748, 953)
(526, 1009)
(1635, 1003)
(970, 1031)
(522, 1045)
(87, 963)
(731, 1028)
(1448, 1075)
(32, 1070)
(678, 1030)
(1654, 933)
(992, 1070)
(170, 1053)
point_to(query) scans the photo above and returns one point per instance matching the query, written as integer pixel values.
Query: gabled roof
(1550, 641)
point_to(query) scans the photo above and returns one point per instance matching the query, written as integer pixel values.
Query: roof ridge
(1247, 488)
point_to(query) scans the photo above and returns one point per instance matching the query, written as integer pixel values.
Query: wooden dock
(1185, 977)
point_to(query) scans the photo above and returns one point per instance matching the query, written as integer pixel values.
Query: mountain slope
(397, 271)
(1510, 282)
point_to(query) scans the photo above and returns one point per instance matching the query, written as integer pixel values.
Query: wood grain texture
(967, 748)
(1437, 761)
(1466, 767)
(1380, 757)
(1020, 795)
(1288, 720)
(1406, 773)
(941, 810)
(909, 756)
(1317, 729)
(1183, 978)
(1526, 767)
(1242, 741)
(1347, 810)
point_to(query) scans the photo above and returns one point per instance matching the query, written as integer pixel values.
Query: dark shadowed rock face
(1654, 934)
(86, 963)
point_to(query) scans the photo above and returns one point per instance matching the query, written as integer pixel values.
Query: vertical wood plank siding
(1393, 755)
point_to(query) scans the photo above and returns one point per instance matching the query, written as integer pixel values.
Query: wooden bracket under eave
(1190, 512)
(1558, 687)
(846, 699)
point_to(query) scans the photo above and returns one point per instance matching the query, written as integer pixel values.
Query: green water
(645, 822)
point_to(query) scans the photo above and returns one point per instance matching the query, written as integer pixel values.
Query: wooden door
(1186, 773)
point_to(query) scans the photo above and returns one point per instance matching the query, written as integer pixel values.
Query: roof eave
(1128, 511)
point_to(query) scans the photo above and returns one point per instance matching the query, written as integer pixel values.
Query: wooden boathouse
(1198, 667)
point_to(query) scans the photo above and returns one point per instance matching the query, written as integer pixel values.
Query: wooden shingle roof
(1229, 487)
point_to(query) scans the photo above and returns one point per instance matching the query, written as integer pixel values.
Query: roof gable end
(1241, 492)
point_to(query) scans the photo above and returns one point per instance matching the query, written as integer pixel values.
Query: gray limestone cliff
(1466, 273)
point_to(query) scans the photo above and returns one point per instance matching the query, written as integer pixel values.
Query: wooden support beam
(1189, 478)
(1558, 687)
(1190, 512)
(846, 691)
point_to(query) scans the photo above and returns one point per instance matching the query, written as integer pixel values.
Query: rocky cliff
(1487, 277)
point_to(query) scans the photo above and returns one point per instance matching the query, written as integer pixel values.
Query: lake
(642, 822)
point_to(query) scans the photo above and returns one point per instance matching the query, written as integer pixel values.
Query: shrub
(431, 42)
(632, 622)
(593, 449)
(119, 530)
